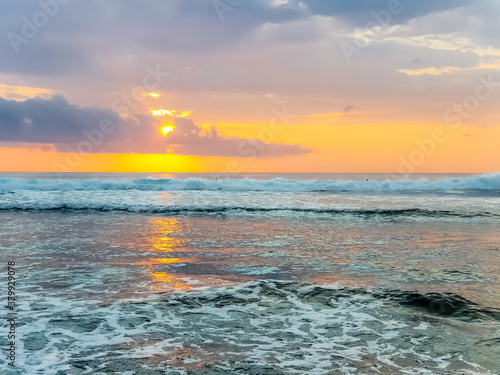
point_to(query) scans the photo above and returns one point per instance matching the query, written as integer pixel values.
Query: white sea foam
(479, 182)
(257, 327)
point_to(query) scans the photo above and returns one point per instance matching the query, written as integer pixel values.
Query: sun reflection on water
(163, 239)
(164, 235)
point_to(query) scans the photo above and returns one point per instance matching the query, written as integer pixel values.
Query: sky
(231, 86)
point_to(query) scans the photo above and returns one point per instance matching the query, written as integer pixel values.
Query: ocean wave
(441, 304)
(479, 182)
(445, 304)
(99, 207)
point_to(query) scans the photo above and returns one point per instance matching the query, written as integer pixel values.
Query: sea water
(252, 274)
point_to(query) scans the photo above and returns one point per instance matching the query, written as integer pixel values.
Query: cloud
(53, 120)
(72, 43)
(360, 12)
(94, 50)
(71, 128)
(189, 139)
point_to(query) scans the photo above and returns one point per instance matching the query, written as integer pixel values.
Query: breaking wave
(479, 182)
(413, 212)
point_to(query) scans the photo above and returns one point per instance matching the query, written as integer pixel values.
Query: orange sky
(374, 148)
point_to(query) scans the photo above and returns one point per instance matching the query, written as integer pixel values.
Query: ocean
(251, 274)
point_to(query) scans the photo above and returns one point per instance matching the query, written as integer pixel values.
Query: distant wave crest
(479, 182)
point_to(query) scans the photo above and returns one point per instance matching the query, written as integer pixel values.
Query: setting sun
(166, 129)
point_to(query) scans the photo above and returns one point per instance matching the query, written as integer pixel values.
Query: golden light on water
(162, 240)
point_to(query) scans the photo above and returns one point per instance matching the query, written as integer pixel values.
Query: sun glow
(153, 94)
(431, 71)
(171, 112)
(166, 129)
(21, 93)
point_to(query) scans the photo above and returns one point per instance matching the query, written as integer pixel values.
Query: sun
(166, 129)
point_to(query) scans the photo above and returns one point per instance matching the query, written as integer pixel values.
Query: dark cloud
(360, 12)
(71, 128)
(56, 120)
(53, 120)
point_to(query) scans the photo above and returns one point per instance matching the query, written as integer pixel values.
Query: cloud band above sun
(59, 123)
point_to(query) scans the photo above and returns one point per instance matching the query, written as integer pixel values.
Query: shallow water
(253, 282)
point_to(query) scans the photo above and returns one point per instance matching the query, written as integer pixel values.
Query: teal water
(187, 275)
